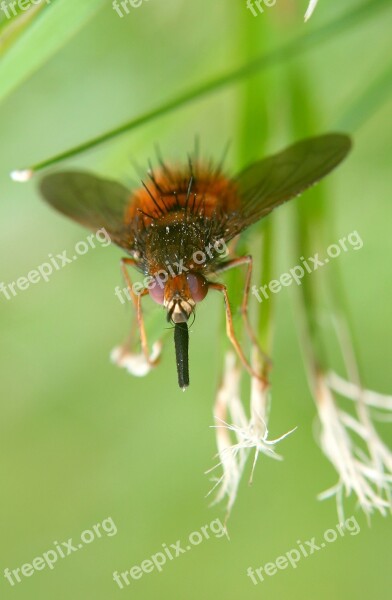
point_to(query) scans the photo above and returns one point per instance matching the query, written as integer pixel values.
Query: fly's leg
(232, 264)
(231, 333)
(137, 302)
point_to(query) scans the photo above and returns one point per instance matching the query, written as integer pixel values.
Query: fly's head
(179, 295)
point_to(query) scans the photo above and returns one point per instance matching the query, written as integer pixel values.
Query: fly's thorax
(179, 294)
(175, 241)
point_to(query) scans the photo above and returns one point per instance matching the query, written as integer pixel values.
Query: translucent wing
(91, 201)
(268, 183)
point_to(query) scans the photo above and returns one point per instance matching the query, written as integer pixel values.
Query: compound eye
(157, 291)
(198, 287)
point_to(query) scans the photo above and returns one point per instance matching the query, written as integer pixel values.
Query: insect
(174, 226)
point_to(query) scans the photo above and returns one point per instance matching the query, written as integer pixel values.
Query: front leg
(137, 302)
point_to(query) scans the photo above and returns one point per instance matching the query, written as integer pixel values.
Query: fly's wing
(270, 182)
(91, 201)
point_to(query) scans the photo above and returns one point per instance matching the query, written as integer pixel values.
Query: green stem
(309, 227)
(266, 309)
(313, 217)
(254, 134)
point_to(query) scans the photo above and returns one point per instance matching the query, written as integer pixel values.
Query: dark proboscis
(181, 342)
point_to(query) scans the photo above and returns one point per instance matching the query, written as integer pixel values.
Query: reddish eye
(198, 287)
(157, 291)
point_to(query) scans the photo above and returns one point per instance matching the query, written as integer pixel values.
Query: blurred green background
(82, 440)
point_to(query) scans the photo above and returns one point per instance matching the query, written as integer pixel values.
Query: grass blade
(290, 50)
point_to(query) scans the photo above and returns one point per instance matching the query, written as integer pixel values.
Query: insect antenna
(193, 319)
